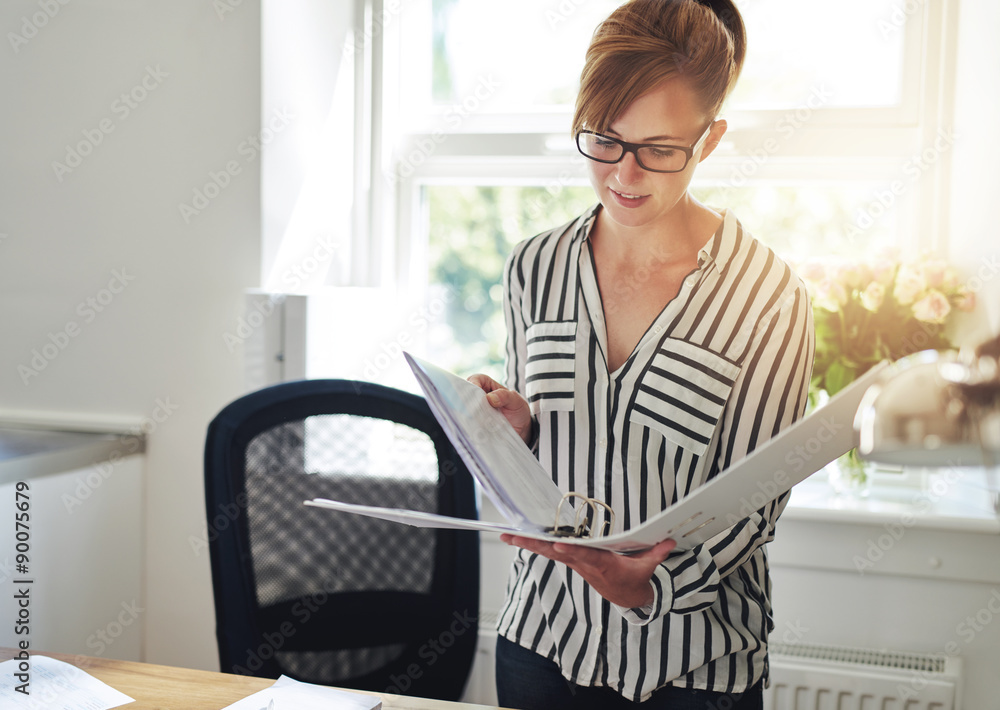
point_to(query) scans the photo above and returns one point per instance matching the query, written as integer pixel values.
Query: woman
(652, 342)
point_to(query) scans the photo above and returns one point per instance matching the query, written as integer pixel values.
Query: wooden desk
(168, 688)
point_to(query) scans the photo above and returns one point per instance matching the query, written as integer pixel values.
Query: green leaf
(838, 376)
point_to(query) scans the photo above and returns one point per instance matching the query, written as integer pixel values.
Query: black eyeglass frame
(633, 148)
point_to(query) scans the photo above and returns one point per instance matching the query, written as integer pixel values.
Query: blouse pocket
(683, 394)
(549, 368)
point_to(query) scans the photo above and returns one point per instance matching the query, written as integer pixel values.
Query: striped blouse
(724, 366)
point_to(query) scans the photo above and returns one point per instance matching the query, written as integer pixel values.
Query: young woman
(652, 342)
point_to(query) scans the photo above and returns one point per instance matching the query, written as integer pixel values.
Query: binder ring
(585, 513)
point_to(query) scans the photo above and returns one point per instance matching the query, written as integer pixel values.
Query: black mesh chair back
(330, 597)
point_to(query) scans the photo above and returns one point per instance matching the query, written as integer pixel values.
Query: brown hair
(645, 42)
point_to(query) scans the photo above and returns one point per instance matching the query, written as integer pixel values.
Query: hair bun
(645, 42)
(731, 19)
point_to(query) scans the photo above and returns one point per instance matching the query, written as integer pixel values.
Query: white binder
(526, 496)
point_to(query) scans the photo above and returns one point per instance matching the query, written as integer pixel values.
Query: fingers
(528, 543)
(567, 554)
(558, 551)
(621, 579)
(578, 554)
(504, 399)
(512, 405)
(484, 382)
(658, 552)
(496, 394)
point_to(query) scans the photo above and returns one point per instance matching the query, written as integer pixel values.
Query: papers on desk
(56, 685)
(289, 693)
(526, 496)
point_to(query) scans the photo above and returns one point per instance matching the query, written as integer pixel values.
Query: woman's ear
(719, 128)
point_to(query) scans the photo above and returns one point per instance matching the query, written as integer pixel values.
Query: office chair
(329, 597)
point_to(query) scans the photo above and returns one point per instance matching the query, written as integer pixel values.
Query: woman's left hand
(621, 579)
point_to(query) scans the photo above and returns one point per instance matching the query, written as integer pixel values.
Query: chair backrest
(329, 597)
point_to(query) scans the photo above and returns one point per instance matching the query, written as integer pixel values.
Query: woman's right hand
(512, 405)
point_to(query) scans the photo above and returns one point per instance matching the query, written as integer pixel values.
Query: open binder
(531, 503)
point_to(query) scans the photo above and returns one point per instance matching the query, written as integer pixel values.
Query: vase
(851, 475)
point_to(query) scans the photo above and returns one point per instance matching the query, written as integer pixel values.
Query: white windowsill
(955, 500)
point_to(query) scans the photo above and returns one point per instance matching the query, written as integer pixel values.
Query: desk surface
(168, 688)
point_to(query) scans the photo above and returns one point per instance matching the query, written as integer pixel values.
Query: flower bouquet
(868, 311)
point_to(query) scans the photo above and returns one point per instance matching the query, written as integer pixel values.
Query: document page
(506, 469)
(290, 693)
(54, 685)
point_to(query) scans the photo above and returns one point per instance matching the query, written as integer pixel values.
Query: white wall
(112, 224)
(85, 537)
(309, 54)
(973, 237)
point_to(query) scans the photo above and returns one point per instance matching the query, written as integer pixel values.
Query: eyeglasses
(653, 157)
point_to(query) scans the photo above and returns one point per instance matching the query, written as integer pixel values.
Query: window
(856, 61)
(838, 141)
(470, 230)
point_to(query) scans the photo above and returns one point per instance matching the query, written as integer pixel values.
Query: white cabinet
(910, 574)
(80, 590)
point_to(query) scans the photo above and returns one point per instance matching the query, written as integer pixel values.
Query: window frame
(819, 143)
(535, 148)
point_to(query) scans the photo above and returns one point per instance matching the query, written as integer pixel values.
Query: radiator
(807, 677)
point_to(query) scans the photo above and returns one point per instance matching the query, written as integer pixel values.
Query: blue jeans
(528, 681)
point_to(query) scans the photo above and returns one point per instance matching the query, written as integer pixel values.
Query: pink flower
(882, 271)
(932, 308)
(889, 255)
(910, 284)
(966, 300)
(934, 272)
(830, 295)
(853, 275)
(812, 271)
(873, 296)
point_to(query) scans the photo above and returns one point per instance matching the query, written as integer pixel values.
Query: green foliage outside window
(471, 232)
(472, 229)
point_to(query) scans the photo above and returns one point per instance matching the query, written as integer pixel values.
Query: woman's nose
(628, 169)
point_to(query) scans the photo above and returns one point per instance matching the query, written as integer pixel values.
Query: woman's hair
(644, 42)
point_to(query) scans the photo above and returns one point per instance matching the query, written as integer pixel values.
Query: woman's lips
(626, 199)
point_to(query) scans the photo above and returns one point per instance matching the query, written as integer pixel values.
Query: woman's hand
(512, 405)
(621, 579)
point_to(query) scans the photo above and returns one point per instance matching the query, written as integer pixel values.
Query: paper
(290, 693)
(511, 479)
(510, 474)
(56, 685)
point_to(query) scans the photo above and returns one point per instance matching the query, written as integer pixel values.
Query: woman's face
(670, 114)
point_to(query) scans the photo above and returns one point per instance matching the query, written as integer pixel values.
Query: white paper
(506, 469)
(56, 685)
(288, 693)
(748, 485)
(416, 518)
